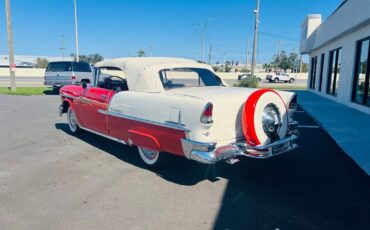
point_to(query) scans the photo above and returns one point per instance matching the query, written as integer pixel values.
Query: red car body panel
(146, 135)
(91, 103)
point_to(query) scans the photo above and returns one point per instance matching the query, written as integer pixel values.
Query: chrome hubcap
(72, 120)
(150, 154)
(271, 120)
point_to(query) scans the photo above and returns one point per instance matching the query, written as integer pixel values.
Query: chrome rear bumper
(209, 153)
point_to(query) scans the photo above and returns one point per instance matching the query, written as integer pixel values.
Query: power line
(280, 36)
(292, 6)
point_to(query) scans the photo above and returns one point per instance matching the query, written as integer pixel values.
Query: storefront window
(313, 72)
(334, 72)
(321, 70)
(361, 79)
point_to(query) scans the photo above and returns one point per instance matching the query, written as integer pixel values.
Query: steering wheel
(108, 81)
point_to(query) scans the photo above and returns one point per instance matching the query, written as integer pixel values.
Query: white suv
(62, 73)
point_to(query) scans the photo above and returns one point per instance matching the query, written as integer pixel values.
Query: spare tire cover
(253, 113)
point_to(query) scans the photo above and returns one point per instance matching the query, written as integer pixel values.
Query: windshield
(188, 77)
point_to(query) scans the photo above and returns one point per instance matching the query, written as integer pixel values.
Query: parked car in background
(62, 73)
(180, 107)
(280, 77)
(247, 75)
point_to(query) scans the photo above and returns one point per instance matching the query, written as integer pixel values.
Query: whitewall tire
(72, 122)
(152, 158)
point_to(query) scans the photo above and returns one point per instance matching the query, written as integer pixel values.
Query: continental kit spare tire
(264, 118)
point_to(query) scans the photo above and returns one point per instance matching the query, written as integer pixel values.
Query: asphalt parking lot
(52, 180)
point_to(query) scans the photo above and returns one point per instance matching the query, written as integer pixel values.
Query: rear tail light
(73, 78)
(206, 117)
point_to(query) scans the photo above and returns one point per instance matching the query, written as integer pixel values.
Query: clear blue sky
(117, 28)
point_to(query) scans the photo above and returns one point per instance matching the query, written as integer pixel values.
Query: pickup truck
(280, 77)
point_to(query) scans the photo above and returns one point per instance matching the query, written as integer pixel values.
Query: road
(39, 81)
(50, 179)
(23, 81)
(263, 83)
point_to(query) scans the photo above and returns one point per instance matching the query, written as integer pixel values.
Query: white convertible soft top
(143, 72)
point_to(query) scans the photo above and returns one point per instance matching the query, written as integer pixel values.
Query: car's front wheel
(276, 80)
(72, 122)
(152, 158)
(291, 80)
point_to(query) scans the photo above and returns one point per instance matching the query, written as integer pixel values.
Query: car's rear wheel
(276, 80)
(72, 122)
(291, 80)
(152, 158)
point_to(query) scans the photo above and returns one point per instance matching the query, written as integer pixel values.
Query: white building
(28, 61)
(339, 51)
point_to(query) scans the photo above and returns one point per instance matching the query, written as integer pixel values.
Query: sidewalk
(349, 128)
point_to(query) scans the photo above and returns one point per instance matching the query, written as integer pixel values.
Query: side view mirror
(84, 85)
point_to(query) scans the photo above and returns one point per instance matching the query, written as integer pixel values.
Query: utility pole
(10, 45)
(300, 64)
(203, 33)
(210, 54)
(76, 31)
(151, 50)
(279, 44)
(256, 24)
(225, 59)
(62, 47)
(247, 54)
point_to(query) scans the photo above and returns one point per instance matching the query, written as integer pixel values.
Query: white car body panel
(147, 99)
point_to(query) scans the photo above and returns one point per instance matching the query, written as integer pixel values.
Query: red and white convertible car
(178, 106)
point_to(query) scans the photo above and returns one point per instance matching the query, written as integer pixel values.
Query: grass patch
(26, 90)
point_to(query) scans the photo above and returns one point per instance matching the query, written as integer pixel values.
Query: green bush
(250, 82)
(245, 70)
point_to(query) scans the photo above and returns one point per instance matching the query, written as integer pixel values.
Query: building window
(360, 93)
(333, 72)
(313, 72)
(322, 62)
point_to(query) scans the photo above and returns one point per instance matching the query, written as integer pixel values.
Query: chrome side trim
(102, 111)
(103, 135)
(84, 99)
(67, 96)
(166, 125)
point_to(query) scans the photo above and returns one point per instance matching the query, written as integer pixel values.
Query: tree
(91, 58)
(304, 67)
(283, 61)
(42, 62)
(95, 58)
(227, 67)
(141, 53)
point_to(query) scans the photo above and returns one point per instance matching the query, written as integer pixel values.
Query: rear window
(188, 77)
(67, 67)
(81, 67)
(59, 67)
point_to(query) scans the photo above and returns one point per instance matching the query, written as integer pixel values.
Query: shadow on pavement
(51, 92)
(185, 172)
(316, 186)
